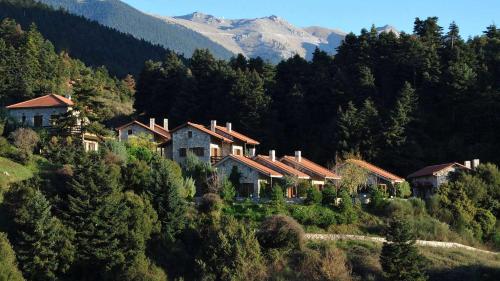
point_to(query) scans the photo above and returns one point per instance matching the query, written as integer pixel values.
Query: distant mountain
(86, 40)
(271, 38)
(123, 17)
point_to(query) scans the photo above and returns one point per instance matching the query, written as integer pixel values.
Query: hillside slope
(118, 15)
(86, 40)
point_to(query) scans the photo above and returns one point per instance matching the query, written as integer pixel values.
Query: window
(38, 121)
(215, 151)
(23, 119)
(182, 152)
(198, 151)
(190, 134)
(237, 151)
(130, 132)
(92, 146)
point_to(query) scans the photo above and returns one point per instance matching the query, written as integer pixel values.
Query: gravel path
(437, 244)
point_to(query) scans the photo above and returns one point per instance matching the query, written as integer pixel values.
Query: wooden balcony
(215, 159)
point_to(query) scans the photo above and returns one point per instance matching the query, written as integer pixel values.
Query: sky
(472, 16)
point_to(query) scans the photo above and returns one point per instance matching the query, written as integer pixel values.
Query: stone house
(428, 179)
(273, 163)
(253, 175)
(210, 144)
(205, 143)
(242, 145)
(318, 174)
(157, 134)
(43, 112)
(376, 175)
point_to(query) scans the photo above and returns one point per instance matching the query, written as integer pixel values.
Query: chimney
(165, 124)
(475, 163)
(272, 155)
(69, 96)
(251, 152)
(213, 124)
(229, 126)
(298, 156)
(467, 164)
(152, 123)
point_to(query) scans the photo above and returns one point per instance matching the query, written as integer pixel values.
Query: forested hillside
(30, 67)
(400, 101)
(83, 39)
(122, 17)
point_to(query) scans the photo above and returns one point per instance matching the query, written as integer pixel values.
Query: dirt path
(437, 244)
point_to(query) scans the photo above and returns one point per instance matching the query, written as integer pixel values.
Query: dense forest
(84, 39)
(30, 67)
(400, 101)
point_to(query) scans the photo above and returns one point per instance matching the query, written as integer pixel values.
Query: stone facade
(188, 138)
(134, 130)
(26, 116)
(249, 176)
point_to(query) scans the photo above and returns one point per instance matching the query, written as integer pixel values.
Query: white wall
(30, 114)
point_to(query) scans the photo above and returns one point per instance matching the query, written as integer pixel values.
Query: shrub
(210, 203)
(277, 198)
(313, 196)
(418, 206)
(348, 213)
(486, 221)
(25, 140)
(377, 200)
(188, 188)
(329, 196)
(302, 188)
(327, 264)
(403, 189)
(314, 215)
(228, 192)
(282, 232)
(398, 208)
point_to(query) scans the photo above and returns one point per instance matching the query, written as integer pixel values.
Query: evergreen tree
(401, 116)
(42, 242)
(94, 208)
(8, 265)
(399, 258)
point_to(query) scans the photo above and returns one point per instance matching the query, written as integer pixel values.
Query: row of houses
(227, 149)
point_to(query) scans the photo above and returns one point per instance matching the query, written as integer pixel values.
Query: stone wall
(180, 139)
(248, 175)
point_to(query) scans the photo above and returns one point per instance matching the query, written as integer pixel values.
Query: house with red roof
(318, 174)
(154, 132)
(376, 175)
(43, 112)
(428, 179)
(211, 144)
(271, 162)
(253, 175)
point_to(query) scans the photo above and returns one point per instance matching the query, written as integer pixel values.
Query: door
(38, 121)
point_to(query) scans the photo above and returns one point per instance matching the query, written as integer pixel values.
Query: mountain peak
(201, 18)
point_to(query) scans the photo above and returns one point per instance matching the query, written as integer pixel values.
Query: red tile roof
(431, 170)
(50, 100)
(157, 130)
(203, 129)
(307, 165)
(252, 164)
(376, 170)
(280, 166)
(237, 135)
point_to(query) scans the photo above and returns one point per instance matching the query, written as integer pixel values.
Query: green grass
(11, 171)
(442, 264)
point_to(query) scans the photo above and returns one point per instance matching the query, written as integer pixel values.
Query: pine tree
(94, 208)
(42, 242)
(399, 258)
(401, 116)
(349, 130)
(8, 265)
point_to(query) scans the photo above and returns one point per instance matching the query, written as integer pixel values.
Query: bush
(314, 215)
(282, 232)
(403, 189)
(277, 198)
(25, 140)
(398, 208)
(486, 221)
(228, 192)
(313, 196)
(377, 200)
(329, 196)
(210, 203)
(327, 264)
(348, 213)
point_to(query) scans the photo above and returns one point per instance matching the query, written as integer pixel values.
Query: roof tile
(50, 100)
